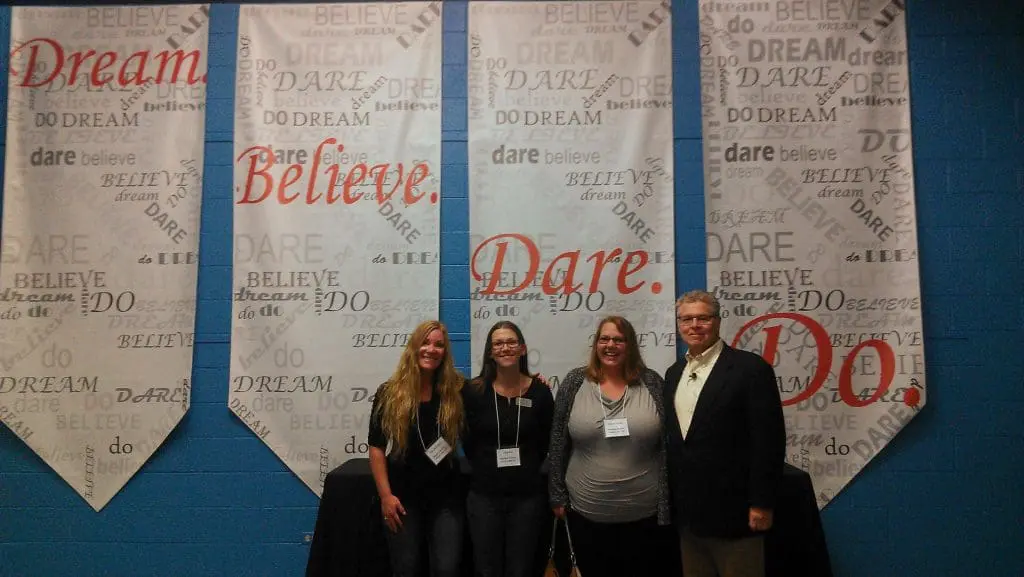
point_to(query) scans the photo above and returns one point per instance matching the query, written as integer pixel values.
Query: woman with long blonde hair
(414, 425)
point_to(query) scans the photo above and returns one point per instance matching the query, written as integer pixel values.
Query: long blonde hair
(400, 396)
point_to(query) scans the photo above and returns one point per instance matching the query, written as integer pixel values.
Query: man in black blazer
(726, 446)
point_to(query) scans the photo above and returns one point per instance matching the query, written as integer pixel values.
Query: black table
(349, 541)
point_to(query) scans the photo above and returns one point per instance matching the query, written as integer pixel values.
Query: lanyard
(497, 417)
(420, 433)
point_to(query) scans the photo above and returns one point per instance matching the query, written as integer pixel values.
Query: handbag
(551, 570)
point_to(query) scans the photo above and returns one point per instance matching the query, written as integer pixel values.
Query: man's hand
(760, 519)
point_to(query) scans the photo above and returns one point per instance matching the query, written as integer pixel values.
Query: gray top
(563, 450)
(613, 480)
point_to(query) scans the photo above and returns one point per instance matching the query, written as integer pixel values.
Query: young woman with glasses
(508, 424)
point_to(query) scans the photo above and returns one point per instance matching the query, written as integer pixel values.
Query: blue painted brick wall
(945, 498)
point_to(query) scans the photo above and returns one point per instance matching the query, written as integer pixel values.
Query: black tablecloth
(349, 541)
(795, 546)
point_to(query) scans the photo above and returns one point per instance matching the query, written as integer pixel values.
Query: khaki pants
(711, 557)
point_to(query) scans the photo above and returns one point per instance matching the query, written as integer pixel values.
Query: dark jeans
(436, 529)
(635, 549)
(504, 531)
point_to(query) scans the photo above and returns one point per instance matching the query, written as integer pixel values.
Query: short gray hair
(699, 296)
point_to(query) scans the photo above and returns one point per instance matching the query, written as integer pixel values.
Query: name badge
(508, 457)
(437, 451)
(615, 428)
(524, 402)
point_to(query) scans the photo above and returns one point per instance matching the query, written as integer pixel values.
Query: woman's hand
(392, 510)
(559, 512)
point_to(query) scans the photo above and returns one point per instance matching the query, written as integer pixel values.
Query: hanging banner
(811, 228)
(102, 189)
(337, 161)
(570, 189)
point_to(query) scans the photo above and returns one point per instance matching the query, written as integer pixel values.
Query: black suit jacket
(733, 454)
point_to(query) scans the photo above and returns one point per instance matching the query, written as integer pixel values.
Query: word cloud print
(337, 198)
(98, 260)
(570, 185)
(811, 227)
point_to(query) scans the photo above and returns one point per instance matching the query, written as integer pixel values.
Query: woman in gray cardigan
(608, 475)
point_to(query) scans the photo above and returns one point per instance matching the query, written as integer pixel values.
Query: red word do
(823, 346)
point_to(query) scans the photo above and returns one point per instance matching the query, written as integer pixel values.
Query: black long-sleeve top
(480, 439)
(412, 476)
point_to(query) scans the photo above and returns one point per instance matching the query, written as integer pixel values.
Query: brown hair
(634, 363)
(489, 369)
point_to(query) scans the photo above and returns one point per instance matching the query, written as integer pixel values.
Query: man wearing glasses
(726, 446)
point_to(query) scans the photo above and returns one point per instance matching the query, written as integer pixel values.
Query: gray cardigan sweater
(561, 445)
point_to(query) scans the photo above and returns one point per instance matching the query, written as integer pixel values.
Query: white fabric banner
(102, 189)
(570, 187)
(337, 163)
(811, 228)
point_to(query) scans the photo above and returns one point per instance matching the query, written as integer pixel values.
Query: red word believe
(259, 183)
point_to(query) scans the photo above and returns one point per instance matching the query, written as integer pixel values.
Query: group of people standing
(637, 465)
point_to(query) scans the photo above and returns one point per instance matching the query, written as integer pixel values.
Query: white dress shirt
(691, 383)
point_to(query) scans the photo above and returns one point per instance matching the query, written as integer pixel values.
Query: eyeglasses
(500, 345)
(605, 339)
(697, 320)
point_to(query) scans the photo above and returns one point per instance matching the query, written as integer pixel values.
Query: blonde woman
(414, 425)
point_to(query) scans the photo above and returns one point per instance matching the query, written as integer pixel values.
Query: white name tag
(524, 402)
(615, 428)
(508, 457)
(438, 450)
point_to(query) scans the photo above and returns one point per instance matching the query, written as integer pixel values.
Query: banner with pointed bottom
(98, 260)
